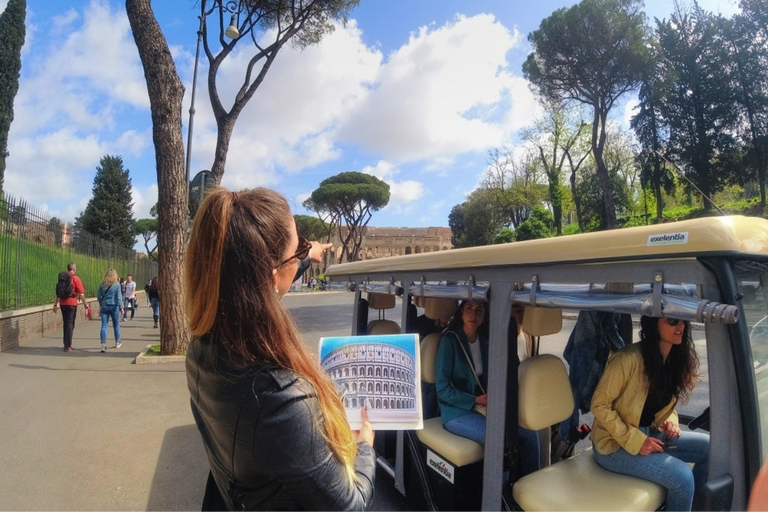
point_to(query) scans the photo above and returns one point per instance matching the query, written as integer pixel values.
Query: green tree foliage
(352, 197)
(512, 186)
(652, 133)
(478, 220)
(557, 139)
(108, 214)
(698, 101)
(312, 228)
(12, 33)
(590, 193)
(592, 53)
(541, 224)
(750, 58)
(147, 230)
(55, 226)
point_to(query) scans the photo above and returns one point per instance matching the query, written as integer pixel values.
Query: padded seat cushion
(580, 483)
(457, 450)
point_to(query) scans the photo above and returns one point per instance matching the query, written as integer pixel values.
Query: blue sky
(415, 92)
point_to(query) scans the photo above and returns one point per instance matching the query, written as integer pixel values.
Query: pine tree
(109, 212)
(12, 33)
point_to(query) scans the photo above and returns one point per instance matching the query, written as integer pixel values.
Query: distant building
(388, 242)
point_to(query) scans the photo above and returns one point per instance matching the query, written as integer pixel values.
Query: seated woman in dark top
(461, 380)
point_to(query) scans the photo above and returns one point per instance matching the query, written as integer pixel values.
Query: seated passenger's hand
(651, 445)
(481, 400)
(366, 430)
(671, 429)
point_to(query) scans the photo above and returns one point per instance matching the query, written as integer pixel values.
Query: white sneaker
(103, 347)
(118, 344)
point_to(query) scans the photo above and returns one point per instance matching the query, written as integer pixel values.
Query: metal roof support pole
(493, 465)
(658, 286)
(400, 439)
(358, 294)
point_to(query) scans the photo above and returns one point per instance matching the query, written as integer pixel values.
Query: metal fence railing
(34, 248)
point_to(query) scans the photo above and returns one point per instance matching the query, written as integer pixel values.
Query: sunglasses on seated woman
(301, 253)
(673, 321)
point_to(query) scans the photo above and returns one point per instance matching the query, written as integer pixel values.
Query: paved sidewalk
(91, 431)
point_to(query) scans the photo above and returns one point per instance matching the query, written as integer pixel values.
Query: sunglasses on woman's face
(301, 253)
(673, 321)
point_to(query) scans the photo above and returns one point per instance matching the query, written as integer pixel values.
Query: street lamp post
(192, 105)
(231, 32)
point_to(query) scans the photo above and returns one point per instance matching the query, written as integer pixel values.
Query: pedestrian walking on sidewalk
(110, 303)
(154, 300)
(69, 290)
(130, 297)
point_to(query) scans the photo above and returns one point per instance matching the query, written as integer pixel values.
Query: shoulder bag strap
(469, 360)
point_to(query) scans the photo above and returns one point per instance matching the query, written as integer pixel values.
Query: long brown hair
(682, 358)
(237, 240)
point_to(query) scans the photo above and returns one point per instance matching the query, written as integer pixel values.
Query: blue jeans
(155, 306)
(472, 426)
(108, 312)
(668, 469)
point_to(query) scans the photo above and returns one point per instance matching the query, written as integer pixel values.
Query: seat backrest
(436, 309)
(545, 396)
(381, 301)
(383, 327)
(428, 349)
(539, 321)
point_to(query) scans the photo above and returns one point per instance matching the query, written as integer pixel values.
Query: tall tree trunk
(165, 97)
(598, 144)
(576, 200)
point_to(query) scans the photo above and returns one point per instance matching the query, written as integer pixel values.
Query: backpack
(64, 286)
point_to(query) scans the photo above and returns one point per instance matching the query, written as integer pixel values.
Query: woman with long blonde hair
(111, 305)
(273, 426)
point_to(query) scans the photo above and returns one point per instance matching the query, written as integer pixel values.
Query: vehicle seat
(382, 302)
(457, 450)
(576, 483)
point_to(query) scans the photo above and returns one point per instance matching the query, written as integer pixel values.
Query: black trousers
(68, 314)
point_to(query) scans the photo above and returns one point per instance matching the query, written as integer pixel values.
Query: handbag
(482, 409)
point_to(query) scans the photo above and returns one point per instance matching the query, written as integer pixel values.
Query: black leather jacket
(259, 427)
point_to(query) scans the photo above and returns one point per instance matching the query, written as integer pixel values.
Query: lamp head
(232, 31)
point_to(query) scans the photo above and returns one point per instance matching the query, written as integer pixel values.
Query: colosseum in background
(387, 242)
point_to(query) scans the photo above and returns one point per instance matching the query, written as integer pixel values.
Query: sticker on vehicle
(668, 239)
(439, 465)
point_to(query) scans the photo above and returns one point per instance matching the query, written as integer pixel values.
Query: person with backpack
(111, 305)
(69, 290)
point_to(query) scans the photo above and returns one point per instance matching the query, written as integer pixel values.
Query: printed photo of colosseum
(379, 372)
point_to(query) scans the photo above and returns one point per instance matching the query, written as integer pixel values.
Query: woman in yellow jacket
(636, 430)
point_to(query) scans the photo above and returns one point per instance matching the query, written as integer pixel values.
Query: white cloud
(291, 122)
(402, 194)
(143, 201)
(79, 88)
(629, 111)
(443, 93)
